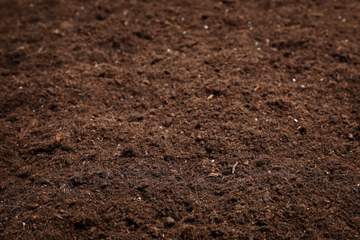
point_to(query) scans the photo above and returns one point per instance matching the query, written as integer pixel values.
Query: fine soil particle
(180, 119)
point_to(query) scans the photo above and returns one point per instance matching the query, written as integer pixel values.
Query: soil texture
(179, 119)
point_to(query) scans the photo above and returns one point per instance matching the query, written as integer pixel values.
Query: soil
(179, 119)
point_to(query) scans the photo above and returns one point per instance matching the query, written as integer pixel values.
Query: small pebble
(351, 136)
(215, 174)
(169, 222)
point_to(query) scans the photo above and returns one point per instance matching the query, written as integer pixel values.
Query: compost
(179, 119)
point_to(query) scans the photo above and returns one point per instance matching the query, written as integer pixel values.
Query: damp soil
(179, 119)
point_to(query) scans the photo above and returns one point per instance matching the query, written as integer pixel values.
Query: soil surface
(179, 119)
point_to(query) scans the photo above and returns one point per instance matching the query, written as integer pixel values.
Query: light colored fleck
(234, 167)
(215, 174)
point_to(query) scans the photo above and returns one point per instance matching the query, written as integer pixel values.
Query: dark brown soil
(179, 119)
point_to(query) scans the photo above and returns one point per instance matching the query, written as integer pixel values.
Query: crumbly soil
(179, 119)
